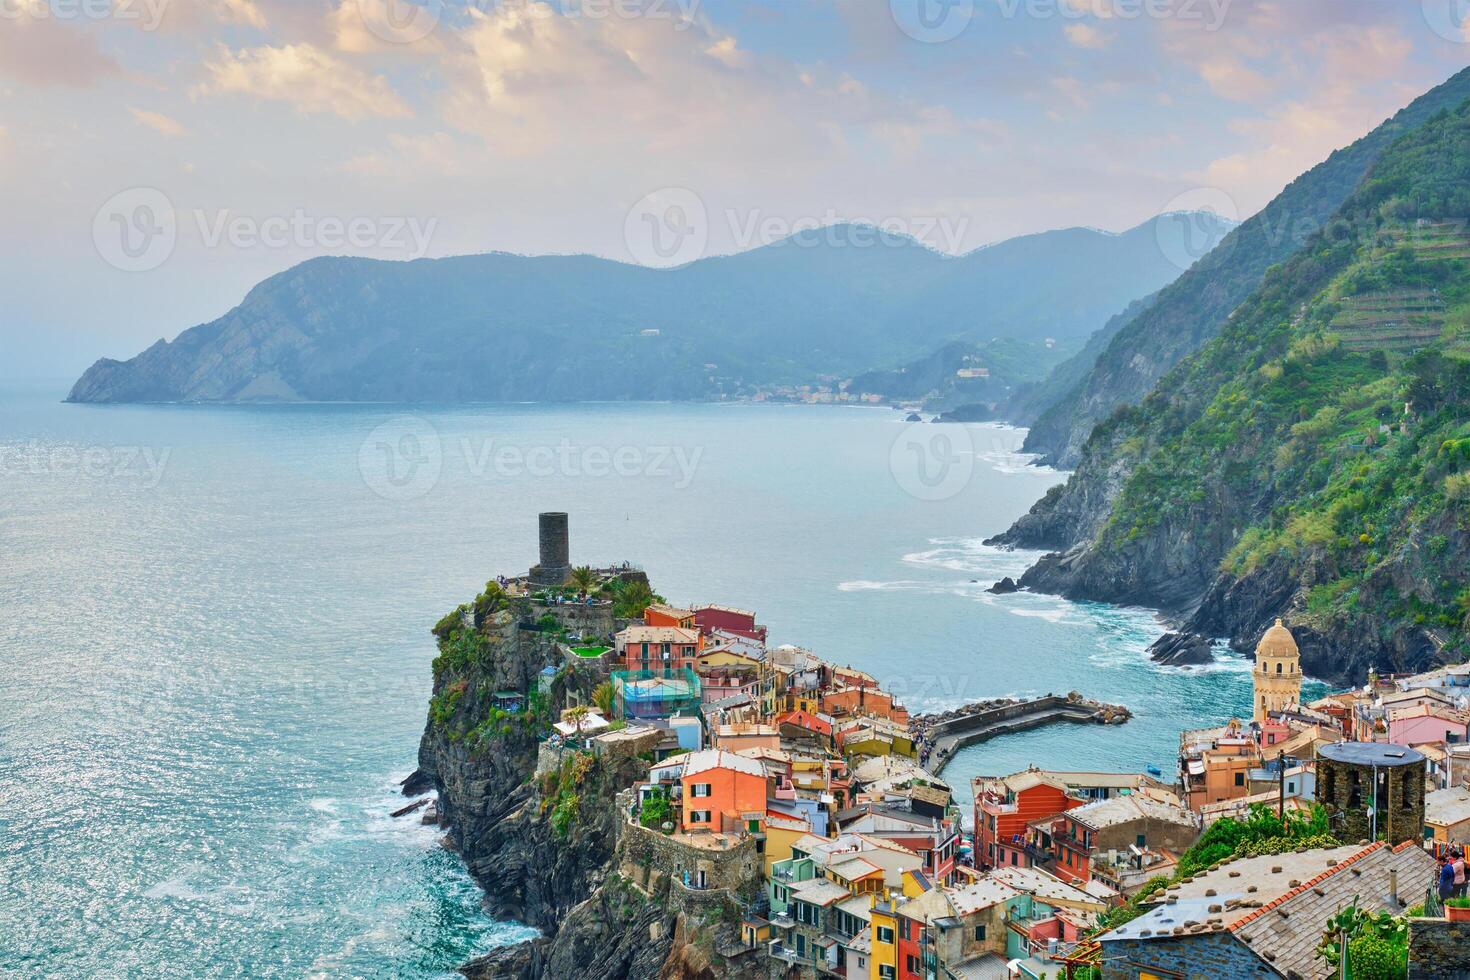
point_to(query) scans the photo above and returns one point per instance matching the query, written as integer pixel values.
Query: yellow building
(781, 833)
(883, 941)
(1277, 678)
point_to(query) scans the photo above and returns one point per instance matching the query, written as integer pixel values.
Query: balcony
(783, 953)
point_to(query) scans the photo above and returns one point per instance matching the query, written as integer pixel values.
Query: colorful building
(722, 792)
(659, 648)
(1005, 805)
(740, 622)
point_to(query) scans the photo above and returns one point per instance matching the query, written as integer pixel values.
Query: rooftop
(1447, 807)
(1278, 909)
(819, 891)
(1384, 754)
(1046, 887)
(980, 895)
(658, 634)
(707, 759)
(1123, 809)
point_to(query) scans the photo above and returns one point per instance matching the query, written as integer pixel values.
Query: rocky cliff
(1311, 460)
(539, 829)
(1190, 311)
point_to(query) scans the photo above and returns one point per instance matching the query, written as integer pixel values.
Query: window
(699, 816)
(1240, 779)
(699, 790)
(887, 973)
(911, 963)
(903, 928)
(1278, 668)
(1141, 840)
(885, 935)
(979, 934)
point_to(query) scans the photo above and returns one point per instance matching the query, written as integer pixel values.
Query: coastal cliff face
(542, 842)
(1312, 460)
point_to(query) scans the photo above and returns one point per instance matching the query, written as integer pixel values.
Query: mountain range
(830, 303)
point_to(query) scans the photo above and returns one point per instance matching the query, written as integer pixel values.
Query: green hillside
(1189, 312)
(1315, 457)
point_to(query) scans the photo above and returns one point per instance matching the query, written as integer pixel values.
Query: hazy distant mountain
(567, 328)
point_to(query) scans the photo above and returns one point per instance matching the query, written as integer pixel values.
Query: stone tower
(555, 563)
(1277, 679)
(1372, 791)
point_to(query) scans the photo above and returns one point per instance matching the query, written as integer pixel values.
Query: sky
(160, 157)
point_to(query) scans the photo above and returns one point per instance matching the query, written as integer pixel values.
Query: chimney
(1393, 885)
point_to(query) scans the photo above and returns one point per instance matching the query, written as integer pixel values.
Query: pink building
(1428, 723)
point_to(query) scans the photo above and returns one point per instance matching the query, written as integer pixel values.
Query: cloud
(47, 52)
(1087, 36)
(306, 77)
(158, 122)
(242, 12)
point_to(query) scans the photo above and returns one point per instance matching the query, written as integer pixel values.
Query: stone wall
(595, 620)
(1439, 949)
(1212, 956)
(647, 857)
(1344, 789)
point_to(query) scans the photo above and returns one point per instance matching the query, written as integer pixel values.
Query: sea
(214, 640)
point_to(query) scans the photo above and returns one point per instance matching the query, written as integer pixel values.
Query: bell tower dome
(1277, 678)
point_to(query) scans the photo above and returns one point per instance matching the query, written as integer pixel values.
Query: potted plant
(1457, 909)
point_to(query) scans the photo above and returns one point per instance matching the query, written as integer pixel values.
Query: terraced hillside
(1313, 461)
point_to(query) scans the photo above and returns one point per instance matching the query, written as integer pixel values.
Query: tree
(584, 579)
(632, 598)
(488, 603)
(656, 810)
(578, 716)
(603, 696)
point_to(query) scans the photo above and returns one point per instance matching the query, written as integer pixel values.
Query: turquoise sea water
(214, 657)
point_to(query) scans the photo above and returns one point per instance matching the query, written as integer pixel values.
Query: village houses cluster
(797, 788)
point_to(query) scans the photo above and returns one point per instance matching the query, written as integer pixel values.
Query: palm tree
(578, 716)
(633, 598)
(603, 695)
(584, 578)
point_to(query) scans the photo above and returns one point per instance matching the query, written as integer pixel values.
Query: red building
(910, 948)
(659, 647)
(738, 621)
(1004, 805)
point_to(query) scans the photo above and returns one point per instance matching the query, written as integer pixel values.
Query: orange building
(723, 792)
(657, 615)
(1004, 805)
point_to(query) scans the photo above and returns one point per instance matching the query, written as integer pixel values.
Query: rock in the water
(431, 814)
(1181, 649)
(1005, 586)
(418, 784)
(914, 417)
(416, 805)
